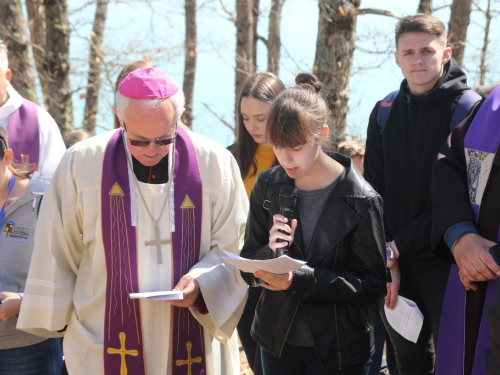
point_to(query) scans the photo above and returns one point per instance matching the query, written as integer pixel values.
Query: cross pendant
(157, 242)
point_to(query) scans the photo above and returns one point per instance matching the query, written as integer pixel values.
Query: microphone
(288, 200)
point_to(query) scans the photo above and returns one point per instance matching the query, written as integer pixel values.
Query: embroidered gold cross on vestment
(189, 361)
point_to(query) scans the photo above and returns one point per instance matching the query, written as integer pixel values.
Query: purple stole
(481, 144)
(24, 136)
(123, 341)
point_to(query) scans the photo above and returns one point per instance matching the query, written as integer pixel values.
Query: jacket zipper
(339, 355)
(288, 330)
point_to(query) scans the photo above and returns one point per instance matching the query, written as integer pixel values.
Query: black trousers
(427, 291)
(251, 348)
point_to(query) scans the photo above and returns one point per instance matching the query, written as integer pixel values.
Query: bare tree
(13, 31)
(245, 66)
(36, 18)
(191, 52)
(425, 6)
(57, 64)
(274, 38)
(256, 13)
(95, 67)
(333, 61)
(457, 28)
(482, 69)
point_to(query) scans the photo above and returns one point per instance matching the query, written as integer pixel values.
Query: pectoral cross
(157, 242)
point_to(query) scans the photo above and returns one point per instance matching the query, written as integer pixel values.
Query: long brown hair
(4, 145)
(264, 87)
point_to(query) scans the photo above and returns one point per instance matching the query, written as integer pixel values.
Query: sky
(136, 28)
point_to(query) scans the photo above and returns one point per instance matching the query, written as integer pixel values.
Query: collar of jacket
(338, 217)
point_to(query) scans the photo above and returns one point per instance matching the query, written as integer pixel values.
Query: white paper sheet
(406, 318)
(170, 295)
(279, 265)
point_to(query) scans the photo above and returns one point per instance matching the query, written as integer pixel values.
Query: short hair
(351, 149)
(420, 23)
(178, 101)
(298, 114)
(129, 68)
(4, 56)
(74, 137)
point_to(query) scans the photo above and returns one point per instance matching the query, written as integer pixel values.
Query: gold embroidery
(187, 203)
(189, 361)
(116, 190)
(123, 352)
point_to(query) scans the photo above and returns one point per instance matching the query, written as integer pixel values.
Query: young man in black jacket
(398, 163)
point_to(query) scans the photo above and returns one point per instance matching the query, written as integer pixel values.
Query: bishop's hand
(472, 255)
(189, 286)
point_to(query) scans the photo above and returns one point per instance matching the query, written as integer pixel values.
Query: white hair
(178, 101)
(4, 59)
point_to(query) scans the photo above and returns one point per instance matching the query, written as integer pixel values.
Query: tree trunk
(256, 13)
(274, 38)
(245, 67)
(190, 50)
(36, 23)
(13, 32)
(56, 64)
(482, 66)
(425, 6)
(95, 67)
(457, 28)
(333, 61)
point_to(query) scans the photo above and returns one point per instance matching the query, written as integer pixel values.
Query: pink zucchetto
(148, 83)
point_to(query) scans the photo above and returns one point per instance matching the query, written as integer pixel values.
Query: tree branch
(262, 39)
(378, 12)
(221, 119)
(231, 15)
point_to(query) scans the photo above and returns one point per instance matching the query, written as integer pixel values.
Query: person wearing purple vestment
(148, 207)
(34, 136)
(466, 217)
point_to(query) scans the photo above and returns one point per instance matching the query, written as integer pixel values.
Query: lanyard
(11, 185)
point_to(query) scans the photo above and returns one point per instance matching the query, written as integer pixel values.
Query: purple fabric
(451, 343)
(24, 135)
(148, 83)
(124, 330)
(482, 135)
(123, 315)
(484, 331)
(186, 241)
(475, 209)
(485, 138)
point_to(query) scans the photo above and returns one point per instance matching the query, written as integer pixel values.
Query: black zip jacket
(398, 164)
(344, 279)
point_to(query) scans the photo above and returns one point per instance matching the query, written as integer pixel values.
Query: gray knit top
(16, 246)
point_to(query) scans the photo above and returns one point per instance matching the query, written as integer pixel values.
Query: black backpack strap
(269, 191)
(384, 109)
(465, 103)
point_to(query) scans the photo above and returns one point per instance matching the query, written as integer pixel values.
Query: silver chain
(155, 222)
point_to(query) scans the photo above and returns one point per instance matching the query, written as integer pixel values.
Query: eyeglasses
(158, 142)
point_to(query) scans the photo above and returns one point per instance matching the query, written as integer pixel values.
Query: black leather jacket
(344, 280)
